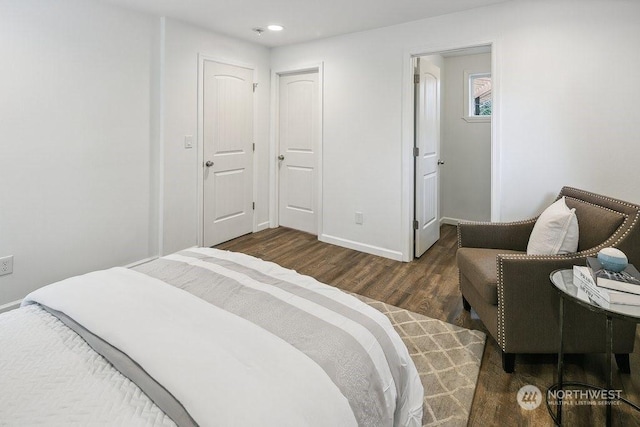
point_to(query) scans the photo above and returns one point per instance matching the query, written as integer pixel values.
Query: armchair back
(603, 222)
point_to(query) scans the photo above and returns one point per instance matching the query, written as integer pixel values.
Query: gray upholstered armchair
(511, 292)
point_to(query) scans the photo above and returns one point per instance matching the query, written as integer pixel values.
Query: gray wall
(465, 189)
(78, 183)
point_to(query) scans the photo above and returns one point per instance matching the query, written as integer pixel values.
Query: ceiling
(304, 20)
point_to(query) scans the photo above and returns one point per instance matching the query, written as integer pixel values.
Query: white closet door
(427, 229)
(228, 152)
(298, 151)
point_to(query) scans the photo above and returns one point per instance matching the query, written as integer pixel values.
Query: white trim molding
(274, 142)
(262, 226)
(200, 139)
(407, 160)
(466, 104)
(140, 262)
(361, 247)
(449, 221)
(10, 306)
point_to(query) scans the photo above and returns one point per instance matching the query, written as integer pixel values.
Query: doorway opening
(452, 140)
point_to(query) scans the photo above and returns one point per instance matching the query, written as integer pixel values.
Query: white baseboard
(15, 304)
(263, 226)
(449, 221)
(140, 262)
(362, 247)
(10, 306)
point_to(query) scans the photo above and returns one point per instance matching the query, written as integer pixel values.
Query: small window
(478, 97)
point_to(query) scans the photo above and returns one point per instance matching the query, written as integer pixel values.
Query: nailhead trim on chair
(526, 221)
(599, 196)
(502, 341)
(612, 241)
(459, 273)
(598, 206)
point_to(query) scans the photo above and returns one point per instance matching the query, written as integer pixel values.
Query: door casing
(408, 123)
(200, 138)
(427, 163)
(275, 144)
(297, 158)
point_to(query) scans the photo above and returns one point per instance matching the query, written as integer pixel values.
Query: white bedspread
(49, 376)
(216, 376)
(208, 326)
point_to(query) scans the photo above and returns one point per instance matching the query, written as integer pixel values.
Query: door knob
(280, 157)
(209, 163)
(441, 162)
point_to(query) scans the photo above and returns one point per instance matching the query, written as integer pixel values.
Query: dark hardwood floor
(429, 286)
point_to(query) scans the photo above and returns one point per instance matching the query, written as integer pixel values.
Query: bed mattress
(205, 337)
(51, 376)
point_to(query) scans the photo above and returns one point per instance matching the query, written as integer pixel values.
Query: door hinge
(416, 151)
(415, 224)
(254, 206)
(255, 85)
(254, 146)
(416, 79)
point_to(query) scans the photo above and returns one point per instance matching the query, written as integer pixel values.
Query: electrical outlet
(6, 265)
(359, 218)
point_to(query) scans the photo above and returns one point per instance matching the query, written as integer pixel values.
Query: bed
(203, 337)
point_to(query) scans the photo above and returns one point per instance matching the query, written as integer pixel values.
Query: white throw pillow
(555, 231)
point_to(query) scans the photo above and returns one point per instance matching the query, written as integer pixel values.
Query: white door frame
(274, 138)
(200, 139)
(408, 105)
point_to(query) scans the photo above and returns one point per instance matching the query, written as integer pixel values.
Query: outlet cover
(188, 141)
(359, 218)
(6, 265)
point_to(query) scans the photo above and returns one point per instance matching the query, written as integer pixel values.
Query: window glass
(480, 91)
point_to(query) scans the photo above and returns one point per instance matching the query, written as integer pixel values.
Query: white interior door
(427, 139)
(298, 151)
(228, 152)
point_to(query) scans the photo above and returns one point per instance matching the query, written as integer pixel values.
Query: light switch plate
(188, 141)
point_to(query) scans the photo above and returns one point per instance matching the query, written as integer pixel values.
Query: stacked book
(605, 287)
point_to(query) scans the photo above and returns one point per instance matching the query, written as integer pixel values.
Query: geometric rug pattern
(448, 360)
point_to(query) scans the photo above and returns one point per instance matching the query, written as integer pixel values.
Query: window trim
(466, 105)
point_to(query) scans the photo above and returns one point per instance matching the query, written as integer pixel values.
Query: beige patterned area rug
(447, 358)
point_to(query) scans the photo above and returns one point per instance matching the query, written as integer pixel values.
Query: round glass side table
(562, 281)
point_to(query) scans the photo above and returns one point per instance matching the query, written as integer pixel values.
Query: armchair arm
(528, 308)
(495, 235)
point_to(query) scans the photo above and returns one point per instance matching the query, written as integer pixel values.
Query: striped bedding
(221, 338)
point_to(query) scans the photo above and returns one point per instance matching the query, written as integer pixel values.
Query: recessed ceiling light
(275, 27)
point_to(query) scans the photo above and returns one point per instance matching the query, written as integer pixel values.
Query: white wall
(569, 102)
(566, 81)
(361, 151)
(465, 178)
(75, 143)
(94, 111)
(96, 101)
(183, 43)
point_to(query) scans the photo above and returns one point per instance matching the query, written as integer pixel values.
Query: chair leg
(465, 304)
(509, 362)
(622, 360)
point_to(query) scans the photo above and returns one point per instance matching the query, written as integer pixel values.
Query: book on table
(583, 279)
(628, 280)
